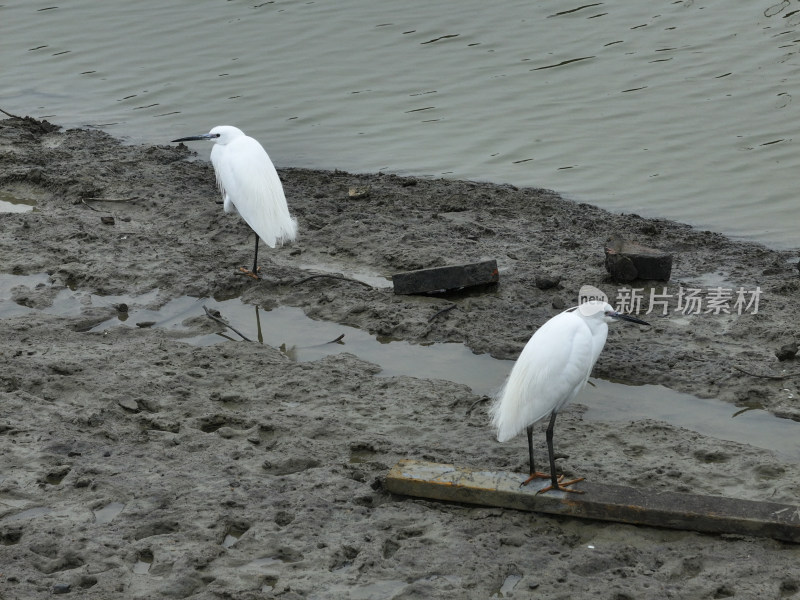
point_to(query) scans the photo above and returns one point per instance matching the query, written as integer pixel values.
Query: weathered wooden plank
(445, 278)
(606, 502)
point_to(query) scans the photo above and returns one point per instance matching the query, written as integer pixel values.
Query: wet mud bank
(137, 465)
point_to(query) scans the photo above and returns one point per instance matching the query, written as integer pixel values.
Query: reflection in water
(303, 339)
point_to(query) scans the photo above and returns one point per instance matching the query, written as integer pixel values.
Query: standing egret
(250, 186)
(551, 370)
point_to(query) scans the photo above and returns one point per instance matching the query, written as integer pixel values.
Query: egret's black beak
(195, 138)
(630, 318)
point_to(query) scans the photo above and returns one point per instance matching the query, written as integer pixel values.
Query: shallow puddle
(12, 204)
(66, 302)
(507, 589)
(232, 535)
(107, 513)
(144, 561)
(615, 402)
(304, 339)
(30, 513)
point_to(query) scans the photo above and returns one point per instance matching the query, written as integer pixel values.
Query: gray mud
(135, 465)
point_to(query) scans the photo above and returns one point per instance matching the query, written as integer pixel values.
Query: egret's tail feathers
(505, 423)
(515, 408)
(280, 233)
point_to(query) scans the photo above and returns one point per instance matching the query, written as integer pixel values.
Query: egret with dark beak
(250, 186)
(551, 370)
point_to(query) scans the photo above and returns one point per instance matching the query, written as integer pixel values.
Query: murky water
(13, 204)
(677, 108)
(107, 513)
(30, 513)
(304, 339)
(144, 561)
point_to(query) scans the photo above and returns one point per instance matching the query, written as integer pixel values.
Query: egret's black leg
(530, 449)
(549, 437)
(255, 259)
(254, 272)
(534, 474)
(555, 481)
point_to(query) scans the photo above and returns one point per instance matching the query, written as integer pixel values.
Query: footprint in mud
(68, 560)
(265, 434)
(233, 532)
(157, 423)
(135, 405)
(224, 425)
(10, 536)
(144, 560)
(292, 465)
(363, 452)
(712, 456)
(283, 518)
(343, 558)
(155, 528)
(390, 547)
(691, 566)
(769, 471)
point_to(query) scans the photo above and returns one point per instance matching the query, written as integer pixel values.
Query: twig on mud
(787, 376)
(342, 277)
(474, 404)
(31, 120)
(131, 199)
(231, 327)
(338, 339)
(8, 114)
(83, 201)
(441, 312)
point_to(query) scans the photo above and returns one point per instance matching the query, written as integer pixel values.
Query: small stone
(359, 192)
(787, 351)
(226, 432)
(61, 588)
(128, 404)
(107, 220)
(230, 397)
(546, 282)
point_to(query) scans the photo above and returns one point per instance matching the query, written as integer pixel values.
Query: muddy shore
(135, 465)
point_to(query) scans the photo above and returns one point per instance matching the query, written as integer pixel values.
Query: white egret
(250, 186)
(551, 370)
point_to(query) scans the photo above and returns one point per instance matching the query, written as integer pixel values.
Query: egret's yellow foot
(250, 273)
(562, 486)
(536, 475)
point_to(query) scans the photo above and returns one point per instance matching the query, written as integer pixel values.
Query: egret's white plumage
(250, 185)
(552, 369)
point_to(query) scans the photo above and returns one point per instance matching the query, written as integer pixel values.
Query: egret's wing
(551, 370)
(247, 176)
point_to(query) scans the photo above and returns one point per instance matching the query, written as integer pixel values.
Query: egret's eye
(216, 135)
